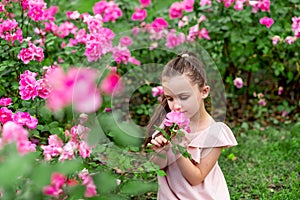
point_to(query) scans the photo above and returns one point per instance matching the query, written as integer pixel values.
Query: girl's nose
(177, 105)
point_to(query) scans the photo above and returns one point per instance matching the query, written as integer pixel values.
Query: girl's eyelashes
(180, 97)
(183, 97)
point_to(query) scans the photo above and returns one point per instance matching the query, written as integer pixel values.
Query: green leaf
(53, 124)
(161, 173)
(15, 166)
(106, 181)
(138, 187)
(45, 113)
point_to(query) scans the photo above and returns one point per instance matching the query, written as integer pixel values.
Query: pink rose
(159, 24)
(125, 41)
(238, 82)
(177, 118)
(5, 115)
(112, 84)
(280, 90)
(26, 55)
(5, 101)
(145, 3)
(262, 102)
(176, 10)
(268, 22)
(139, 14)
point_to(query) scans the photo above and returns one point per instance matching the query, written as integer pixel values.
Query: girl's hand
(159, 142)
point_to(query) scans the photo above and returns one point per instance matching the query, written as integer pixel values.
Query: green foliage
(265, 164)
(240, 47)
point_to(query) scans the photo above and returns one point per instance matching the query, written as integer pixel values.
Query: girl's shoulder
(218, 134)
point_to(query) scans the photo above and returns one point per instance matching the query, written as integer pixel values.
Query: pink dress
(214, 187)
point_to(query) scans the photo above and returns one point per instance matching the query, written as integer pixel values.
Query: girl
(199, 175)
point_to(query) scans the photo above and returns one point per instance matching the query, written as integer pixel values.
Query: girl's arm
(195, 174)
(160, 158)
(160, 146)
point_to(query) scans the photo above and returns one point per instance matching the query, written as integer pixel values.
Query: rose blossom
(280, 90)
(262, 102)
(176, 10)
(159, 24)
(238, 82)
(178, 118)
(125, 41)
(157, 91)
(139, 14)
(5, 101)
(145, 3)
(112, 84)
(268, 22)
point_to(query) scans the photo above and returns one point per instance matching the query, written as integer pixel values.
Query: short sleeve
(217, 135)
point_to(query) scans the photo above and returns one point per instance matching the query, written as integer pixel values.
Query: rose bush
(60, 59)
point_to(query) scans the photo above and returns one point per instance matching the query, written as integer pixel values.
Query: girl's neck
(202, 122)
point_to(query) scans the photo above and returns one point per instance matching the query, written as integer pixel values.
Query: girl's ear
(205, 91)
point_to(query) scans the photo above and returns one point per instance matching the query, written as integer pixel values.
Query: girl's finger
(153, 141)
(162, 139)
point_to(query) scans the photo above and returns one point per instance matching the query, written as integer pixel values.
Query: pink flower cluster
(64, 29)
(77, 143)
(174, 40)
(88, 182)
(55, 189)
(289, 39)
(145, 3)
(139, 14)
(108, 9)
(112, 84)
(157, 91)
(36, 10)
(77, 86)
(31, 53)
(296, 26)
(10, 30)
(59, 182)
(5, 101)
(195, 32)
(239, 4)
(276, 39)
(238, 82)
(267, 21)
(13, 132)
(125, 41)
(261, 99)
(30, 87)
(159, 24)
(205, 2)
(20, 118)
(177, 8)
(177, 118)
(263, 5)
(122, 54)
(99, 40)
(2, 9)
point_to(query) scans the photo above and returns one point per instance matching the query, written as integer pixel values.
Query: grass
(265, 164)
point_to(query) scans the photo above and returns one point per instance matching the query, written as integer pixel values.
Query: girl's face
(184, 96)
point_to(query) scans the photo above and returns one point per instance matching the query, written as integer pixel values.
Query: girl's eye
(184, 98)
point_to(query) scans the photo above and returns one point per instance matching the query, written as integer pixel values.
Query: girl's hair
(185, 63)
